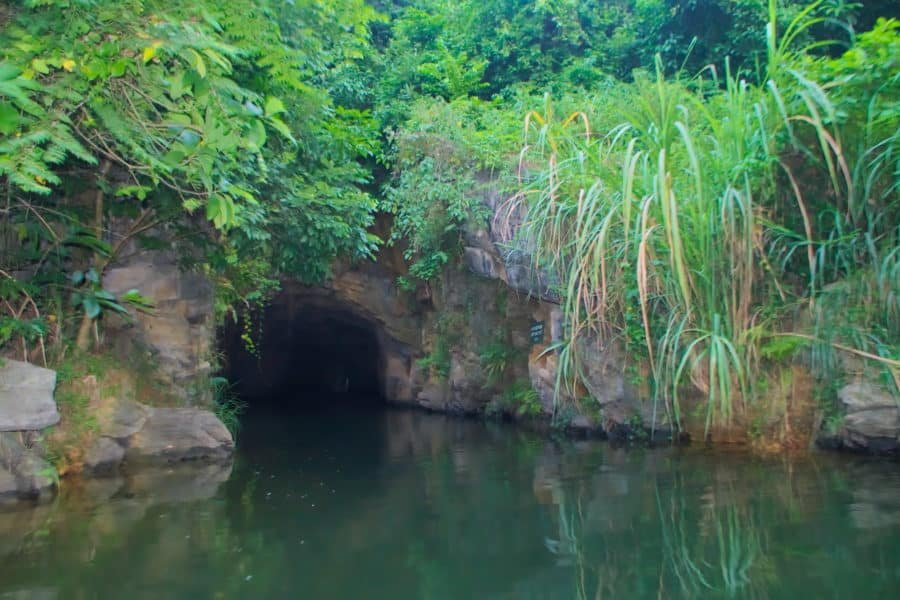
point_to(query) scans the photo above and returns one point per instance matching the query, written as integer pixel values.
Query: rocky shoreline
(125, 434)
(128, 436)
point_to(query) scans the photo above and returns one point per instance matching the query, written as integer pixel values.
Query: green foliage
(199, 121)
(522, 399)
(62, 443)
(227, 405)
(435, 191)
(471, 47)
(437, 362)
(496, 356)
(447, 336)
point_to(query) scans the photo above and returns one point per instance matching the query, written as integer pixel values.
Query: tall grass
(679, 207)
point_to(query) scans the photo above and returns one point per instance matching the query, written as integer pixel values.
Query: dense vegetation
(712, 184)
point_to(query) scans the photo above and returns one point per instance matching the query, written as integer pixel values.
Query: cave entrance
(309, 354)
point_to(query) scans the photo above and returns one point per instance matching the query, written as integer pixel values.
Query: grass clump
(227, 405)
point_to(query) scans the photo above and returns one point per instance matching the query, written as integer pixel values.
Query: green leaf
(138, 300)
(218, 59)
(197, 62)
(137, 191)
(91, 307)
(40, 66)
(86, 239)
(178, 87)
(189, 138)
(253, 108)
(9, 72)
(257, 135)
(281, 127)
(9, 118)
(220, 210)
(117, 69)
(274, 106)
(112, 305)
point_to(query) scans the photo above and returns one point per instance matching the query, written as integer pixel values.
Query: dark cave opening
(308, 355)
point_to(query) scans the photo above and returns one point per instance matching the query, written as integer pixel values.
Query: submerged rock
(26, 397)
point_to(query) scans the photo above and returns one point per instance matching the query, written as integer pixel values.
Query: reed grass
(694, 205)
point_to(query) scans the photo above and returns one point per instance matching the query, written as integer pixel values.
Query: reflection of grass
(568, 547)
(738, 548)
(675, 546)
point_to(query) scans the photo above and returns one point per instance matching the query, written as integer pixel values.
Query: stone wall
(177, 335)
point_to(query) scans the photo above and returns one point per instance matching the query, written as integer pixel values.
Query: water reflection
(402, 504)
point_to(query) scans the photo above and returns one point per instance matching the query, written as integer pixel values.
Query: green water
(398, 504)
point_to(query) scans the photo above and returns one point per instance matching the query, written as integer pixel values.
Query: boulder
(23, 471)
(177, 434)
(871, 423)
(26, 397)
(861, 396)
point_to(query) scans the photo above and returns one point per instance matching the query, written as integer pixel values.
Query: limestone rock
(482, 263)
(37, 477)
(178, 334)
(861, 396)
(119, 418)
(542, 374)
(26, 397)
(433, 396)
(872, 420)
(176, 434)
(104, 456)
(603, 368)
(23, 472)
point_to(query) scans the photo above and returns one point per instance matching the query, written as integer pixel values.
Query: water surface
(400, 504)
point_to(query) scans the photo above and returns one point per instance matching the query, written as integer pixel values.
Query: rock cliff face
(178, 334)
(479, 339)
(482, 338)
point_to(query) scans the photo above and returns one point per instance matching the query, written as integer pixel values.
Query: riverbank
(117, 417)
